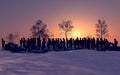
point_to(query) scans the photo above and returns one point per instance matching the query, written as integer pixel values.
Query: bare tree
(66, 26)
(12, 36)
(101, 28)
(39, 30)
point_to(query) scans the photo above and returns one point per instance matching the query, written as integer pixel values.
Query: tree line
(39, 29)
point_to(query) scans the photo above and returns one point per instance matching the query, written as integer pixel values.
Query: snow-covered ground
(79, 62)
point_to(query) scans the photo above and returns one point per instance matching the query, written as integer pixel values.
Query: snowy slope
(79, 62)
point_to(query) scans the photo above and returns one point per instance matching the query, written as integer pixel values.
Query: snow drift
(76, 62)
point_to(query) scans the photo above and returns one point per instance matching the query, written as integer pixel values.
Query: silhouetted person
(106, 44)
(70, 43)
(88, 43)
(21, 42)
(97, 43)
(67, 42)
(28, 44)
(34, 43)
(53, 43)
(43, 44)
(82, 43)
(24, 43)
(93, 43)
(3, 43)
(77, 43)
(49, 43)
(115, 43)
(101, 43)
(61, 47)
(85, 43)
(58, 44)
(74, 43)
(38, 43)
(63, 42)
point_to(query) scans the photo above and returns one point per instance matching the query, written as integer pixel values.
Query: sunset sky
(20, 15)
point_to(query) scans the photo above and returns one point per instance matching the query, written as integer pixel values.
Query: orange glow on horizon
(76, 34)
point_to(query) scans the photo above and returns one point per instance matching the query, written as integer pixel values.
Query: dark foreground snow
(80, 62)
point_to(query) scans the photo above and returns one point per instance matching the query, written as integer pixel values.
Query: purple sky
(20, 15)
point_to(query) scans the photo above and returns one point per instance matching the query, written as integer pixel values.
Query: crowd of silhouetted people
(58, 44)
